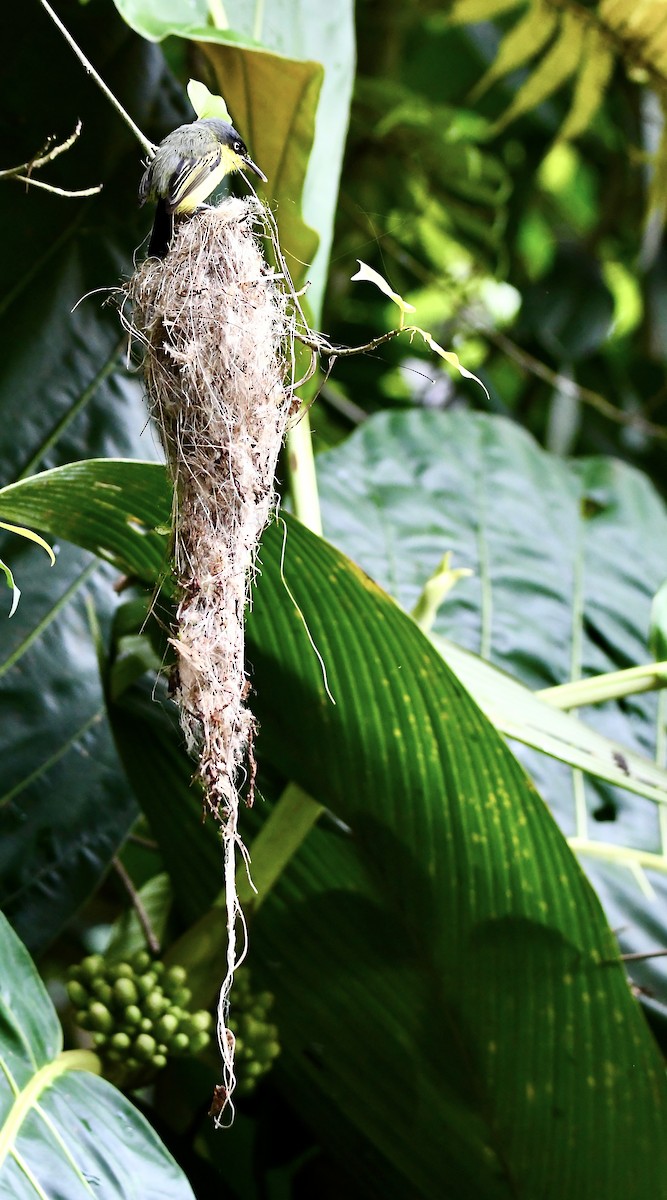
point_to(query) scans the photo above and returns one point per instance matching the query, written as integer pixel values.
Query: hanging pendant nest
(218, 336)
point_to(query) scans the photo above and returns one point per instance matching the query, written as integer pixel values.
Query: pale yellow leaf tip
(453, 360)
(32, 537)
(205, 103)
(366, 274)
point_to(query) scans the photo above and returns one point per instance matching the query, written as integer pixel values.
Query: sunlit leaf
(367, 274)
(205, 103)
(559, 63)
(61, 1126)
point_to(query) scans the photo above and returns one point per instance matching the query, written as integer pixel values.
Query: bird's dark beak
(253, 167)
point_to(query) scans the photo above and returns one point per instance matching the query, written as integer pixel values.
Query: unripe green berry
(77, 993)
(146, 1025)
(99, 1039)
(180, 1043)
(156, 1003)
(144, 1047)
(198, 1041)
(146, 983)
(141, 961)
(121, 1041)
(92, 966)
(124, 992)
(133, 1015)
(201, 1020)
(167, 1025)
(175, 977)
(100, 1017)
(82, 1018)
(102, 989)
(121, 970)
(181, 997)
(159, 1061)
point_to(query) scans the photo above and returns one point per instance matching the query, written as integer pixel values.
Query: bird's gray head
(230, 137)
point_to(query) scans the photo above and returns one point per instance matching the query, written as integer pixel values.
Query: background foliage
(447, 1023)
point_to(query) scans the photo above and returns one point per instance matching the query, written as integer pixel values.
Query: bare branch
(49, 187)
(152, 940)
(23, 173)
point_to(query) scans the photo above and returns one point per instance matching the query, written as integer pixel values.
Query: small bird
(188, 165)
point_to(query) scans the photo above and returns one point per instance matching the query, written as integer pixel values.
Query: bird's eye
(238, 146)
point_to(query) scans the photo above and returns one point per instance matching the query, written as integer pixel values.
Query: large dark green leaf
(566, 559)
(439, 968)
(66, 805)
(64, 1131)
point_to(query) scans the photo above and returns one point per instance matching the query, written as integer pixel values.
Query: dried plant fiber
(216, 329)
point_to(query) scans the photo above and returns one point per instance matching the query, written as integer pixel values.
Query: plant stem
(302, 477)
(613, 686)
(148, 146)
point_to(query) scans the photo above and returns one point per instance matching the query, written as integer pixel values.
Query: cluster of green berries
(256, 1039)
(137, 1014)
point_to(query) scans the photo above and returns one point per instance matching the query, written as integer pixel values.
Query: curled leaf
(449, 356)
(367, 275)
(16, 592)
(32, 537)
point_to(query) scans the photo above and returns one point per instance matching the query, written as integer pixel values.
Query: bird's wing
(189, 174)
(145, 185)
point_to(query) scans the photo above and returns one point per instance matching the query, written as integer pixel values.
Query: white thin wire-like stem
(148, 146)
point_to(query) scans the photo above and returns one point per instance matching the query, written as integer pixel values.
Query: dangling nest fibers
(217, 330)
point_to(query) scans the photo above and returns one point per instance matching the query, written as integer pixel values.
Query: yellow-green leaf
(523, 42)
(205, 103)
(597, 66)
(274, 99)
(16, 592)
(466, 12)
(557, 66)
(31, 537)
(366, 274)
(449, 356)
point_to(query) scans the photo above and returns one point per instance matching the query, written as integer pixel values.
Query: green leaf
(157, 21)
(64, 1130)
(558, 64)
(66, 805)
(451, 925)
(521, 714)
(84, 502)
(469, 11)
(434, 803)
(658, 623)
(205, 103)
(597, 64)
(564, 577)
(523, 42)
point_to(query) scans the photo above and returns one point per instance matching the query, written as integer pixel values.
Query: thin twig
(148, 146)
(152, 940)
(46, 155)
(23, 173)
(49, 187)
(569, 388)
(641, 954)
